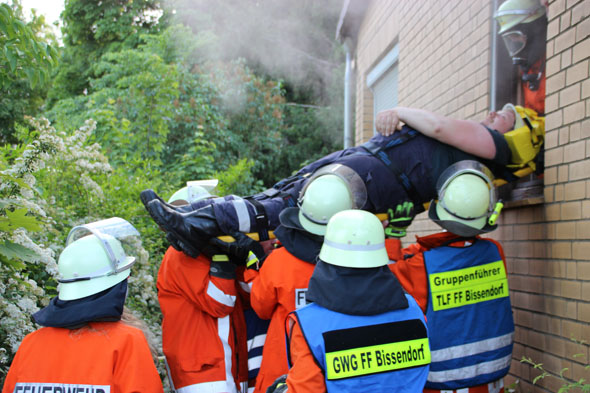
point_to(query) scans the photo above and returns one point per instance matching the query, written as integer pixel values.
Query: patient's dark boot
(149, 195)
(194, 228)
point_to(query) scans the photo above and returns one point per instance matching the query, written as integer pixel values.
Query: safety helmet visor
(515, 41)
(356, 185)
(127, 236)
(461, 168)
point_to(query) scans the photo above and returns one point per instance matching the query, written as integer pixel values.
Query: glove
(192, 250)
(400, 219)
(243, 251)
(279, 385)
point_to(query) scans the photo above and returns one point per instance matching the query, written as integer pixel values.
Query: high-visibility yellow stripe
(252, 259)
(377, 358)
(468, 286)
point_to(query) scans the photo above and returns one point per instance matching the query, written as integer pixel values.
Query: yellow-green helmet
(356, 239)
(466, 198)
(97, 257)
(321, 199)
(514, 12)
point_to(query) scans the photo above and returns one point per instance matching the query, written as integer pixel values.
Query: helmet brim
(82, 289)
(455, 227)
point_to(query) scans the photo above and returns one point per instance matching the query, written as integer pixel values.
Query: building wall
(445, 66)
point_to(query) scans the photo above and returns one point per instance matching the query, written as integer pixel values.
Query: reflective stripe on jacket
(203, 328)
(384, 352)
(469, 315)
(103, 357)
(278, 289)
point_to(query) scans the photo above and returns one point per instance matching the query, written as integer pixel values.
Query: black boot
(149, 195)
(194, 228)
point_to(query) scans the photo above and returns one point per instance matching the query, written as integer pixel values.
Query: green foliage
(238, 179)
(23, 55)
(253, 106)
(26, 62)
(93, 28)
(53, 181)
(137, 106)
(567, 385)
(306, 138)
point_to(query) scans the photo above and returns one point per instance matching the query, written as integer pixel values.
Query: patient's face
(501, 121)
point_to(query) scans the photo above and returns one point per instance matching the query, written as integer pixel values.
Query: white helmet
(95, 258)
(354, 238)
(194, 191)
(466, 199)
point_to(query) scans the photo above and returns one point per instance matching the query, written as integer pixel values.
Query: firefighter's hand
(400, 219)
(387, 122)
(279, 385)
(243, 251)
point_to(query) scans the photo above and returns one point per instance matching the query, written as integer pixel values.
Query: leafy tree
(253, 106)
(148, 112)
(26, 61)
(290, 42)
(95, 27)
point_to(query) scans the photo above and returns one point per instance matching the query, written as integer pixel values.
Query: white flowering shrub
(51, 182)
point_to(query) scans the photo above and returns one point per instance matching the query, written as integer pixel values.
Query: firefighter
(203, 327)
(459, 280)
(361, 333)
(84, 345)
(280, 285)
(395, 168)
(523, 27)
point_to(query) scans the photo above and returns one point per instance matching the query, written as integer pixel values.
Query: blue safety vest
(385, 352)
(469, 316)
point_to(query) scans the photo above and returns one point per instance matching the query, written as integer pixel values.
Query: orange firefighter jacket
(203, 328)
(535, 99)
(278, 289)
(100, 357)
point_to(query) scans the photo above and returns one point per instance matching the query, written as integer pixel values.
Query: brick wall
(445, 66)
(547, 246)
